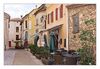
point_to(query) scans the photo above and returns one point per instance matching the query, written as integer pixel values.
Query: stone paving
(20, 57)
(9, 57)
(23, 57)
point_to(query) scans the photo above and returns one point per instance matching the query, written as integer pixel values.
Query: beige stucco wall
(13, 33)
(85, 12)
(6, 35)
(40, 26)
(38, 17)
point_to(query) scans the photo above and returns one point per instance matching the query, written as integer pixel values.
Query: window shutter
(48, 18)
(76, 23)
(17, 29)
(36, 22)
(56, 13)
(61, 11)
(17, 37)
(26, 23)
(51, 16)
(45, 24)
(64, 42)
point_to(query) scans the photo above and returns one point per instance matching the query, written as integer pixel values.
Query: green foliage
(41, 51)
(86, 55)
(33, 49)
(87, 40)
(89, 21)
(87, 35)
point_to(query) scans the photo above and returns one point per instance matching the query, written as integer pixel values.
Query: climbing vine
(88, 40)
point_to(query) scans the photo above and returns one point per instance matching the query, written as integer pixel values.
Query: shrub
(88, 40)
(41, 51)
(33, 49)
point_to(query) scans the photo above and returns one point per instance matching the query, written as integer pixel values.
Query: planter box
(58, 59)
(70, 59)
(45, 61)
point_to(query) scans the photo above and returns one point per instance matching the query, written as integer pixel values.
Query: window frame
(17, 37)
(75, 25)
(17, 29)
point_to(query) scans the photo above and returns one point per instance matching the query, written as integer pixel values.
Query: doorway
(56, 40)
(9, 43)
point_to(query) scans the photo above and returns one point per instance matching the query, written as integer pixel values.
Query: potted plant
(18, 44)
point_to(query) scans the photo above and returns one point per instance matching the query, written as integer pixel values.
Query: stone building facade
(84, 12)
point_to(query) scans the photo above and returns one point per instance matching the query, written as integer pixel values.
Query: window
(56, 13)
(41, 19)
(48, 18)
(61, 11)
(26, 24)
(36, 22)
(21, 28)
(51, 16)
(17, 29)
(8, 25)
(26, 35)
(76, 23)
(64, 42)
(17, 37)
(60, 41)
(45, 24)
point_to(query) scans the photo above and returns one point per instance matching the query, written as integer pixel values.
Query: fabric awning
(51, 27)
(54, 27)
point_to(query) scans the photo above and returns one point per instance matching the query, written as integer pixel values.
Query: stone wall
(85, 12)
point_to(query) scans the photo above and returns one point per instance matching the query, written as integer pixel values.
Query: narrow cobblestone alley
(20, 57)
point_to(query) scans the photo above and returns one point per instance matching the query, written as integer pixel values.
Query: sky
(16, 10)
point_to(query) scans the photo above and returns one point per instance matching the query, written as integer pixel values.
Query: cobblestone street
(20, 57)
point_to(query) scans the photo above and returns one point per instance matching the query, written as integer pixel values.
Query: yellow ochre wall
(63, 30)
(31, 30)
